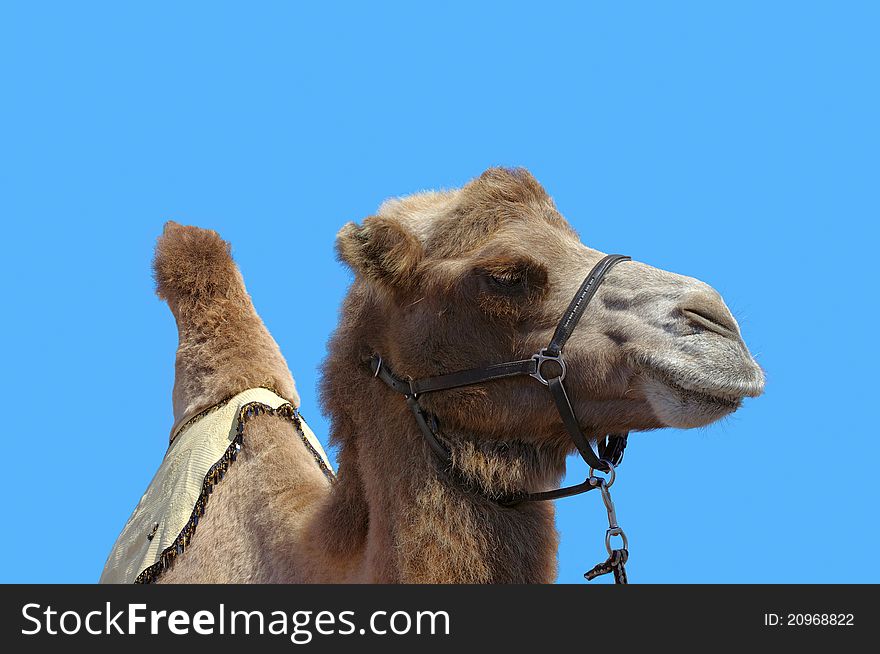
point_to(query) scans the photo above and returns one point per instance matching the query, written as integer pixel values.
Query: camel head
(446, 281)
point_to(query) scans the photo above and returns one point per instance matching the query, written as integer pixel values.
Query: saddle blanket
(201, 450)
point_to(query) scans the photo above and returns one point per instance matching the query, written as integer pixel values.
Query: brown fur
(443, 281)
(224, 346)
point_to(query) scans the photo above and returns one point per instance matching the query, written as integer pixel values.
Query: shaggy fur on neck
(412, 522)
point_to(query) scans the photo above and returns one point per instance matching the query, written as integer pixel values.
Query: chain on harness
(610, 448)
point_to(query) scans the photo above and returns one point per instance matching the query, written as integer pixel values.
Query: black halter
(611, 449)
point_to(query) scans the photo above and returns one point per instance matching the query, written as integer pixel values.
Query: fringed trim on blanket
(216, 474)
(201, 414)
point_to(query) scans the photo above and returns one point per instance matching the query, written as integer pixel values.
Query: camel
(443, 281)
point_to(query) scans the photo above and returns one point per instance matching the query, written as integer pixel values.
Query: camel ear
(381, 250)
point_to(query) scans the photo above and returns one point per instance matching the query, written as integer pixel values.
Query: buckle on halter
(540, 358)
(615, 531)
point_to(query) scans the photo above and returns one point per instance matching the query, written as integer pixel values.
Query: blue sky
(733, 143)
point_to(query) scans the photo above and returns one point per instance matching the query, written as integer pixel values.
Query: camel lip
(724, 375)
(704, 396)
(706, 391)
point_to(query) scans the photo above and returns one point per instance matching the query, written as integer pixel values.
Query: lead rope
(616, 557)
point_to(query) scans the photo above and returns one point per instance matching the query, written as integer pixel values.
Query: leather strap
(543, 496)
(474, 376)
(452, 380)
(579, 303)
(430, 434)
(560, 397)
(612, 448)
(382, 372)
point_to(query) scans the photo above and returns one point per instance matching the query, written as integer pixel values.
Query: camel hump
(223, 346)
(191, 262)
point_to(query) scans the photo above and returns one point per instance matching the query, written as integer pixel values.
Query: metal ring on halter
(378, 367)
(609, 481)
(615, 531)
(540, 358)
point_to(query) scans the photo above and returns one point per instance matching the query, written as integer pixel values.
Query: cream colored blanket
(201, 450)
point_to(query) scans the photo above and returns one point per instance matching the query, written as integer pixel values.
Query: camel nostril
(720, 322)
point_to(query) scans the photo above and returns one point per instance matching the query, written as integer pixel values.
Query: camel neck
(419, 525)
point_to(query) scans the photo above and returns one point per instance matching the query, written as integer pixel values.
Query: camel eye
(508, 280)
(504, 286)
